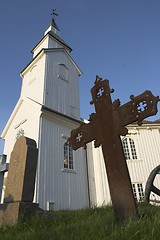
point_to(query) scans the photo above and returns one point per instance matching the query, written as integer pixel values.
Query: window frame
(69, 153)
(63, 72)
(129, 148)
(138, 191)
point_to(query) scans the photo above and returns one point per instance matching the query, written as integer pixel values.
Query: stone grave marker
(20, 184)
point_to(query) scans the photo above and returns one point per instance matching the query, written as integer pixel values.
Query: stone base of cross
(105, 127)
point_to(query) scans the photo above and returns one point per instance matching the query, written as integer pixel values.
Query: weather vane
(53, 14)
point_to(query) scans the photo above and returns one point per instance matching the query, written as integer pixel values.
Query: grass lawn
(96, 223)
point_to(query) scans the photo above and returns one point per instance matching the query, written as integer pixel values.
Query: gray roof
(60, 40)
(56, 37)
(53, 23)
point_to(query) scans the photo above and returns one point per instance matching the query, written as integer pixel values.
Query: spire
(53, 23)
(53, 26)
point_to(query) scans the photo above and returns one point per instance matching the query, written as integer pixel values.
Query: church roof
(53, 24)
(43, 50)
(60, 40)
(57, 38)
(148, 122)
(61, 114)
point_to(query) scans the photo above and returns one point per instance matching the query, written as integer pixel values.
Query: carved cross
(105, 128)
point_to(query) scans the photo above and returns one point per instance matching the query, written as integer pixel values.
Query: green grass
(96, 223)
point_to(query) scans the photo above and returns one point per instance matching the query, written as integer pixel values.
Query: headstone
(106, 126)
(20, 184)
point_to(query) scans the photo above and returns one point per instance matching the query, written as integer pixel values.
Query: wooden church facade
(47, 111)
(142, 151)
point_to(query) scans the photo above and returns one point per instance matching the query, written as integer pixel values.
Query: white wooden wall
(33, 80)
(98, 184)
(66, 188)
(47, 42)
(26, 118)
(147, 142)
(62, 95)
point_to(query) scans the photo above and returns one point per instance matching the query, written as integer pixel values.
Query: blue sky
(118, 40)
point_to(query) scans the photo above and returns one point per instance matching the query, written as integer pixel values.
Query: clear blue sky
(117, 39)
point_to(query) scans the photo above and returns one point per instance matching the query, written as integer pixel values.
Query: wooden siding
(98, 183)
(147, 142)
(67, 189)
(33, 81)
(61, 95)
(26, 118)
(47, 42)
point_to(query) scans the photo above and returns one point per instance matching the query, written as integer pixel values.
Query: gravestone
(106, 126)
(20, 184)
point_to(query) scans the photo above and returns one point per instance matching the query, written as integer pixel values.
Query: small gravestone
(20, 184)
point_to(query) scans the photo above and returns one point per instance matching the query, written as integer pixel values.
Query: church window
(63, 72)
(126, 148)
(138, 191)
(19, 133)
(129, 148)
(68, 157)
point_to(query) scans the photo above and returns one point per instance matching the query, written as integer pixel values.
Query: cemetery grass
(90, 224)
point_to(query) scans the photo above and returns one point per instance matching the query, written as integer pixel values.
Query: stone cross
(105, 128)
(20, 183)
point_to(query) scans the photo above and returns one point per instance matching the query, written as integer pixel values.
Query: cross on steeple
(53, 22)
(53, 14)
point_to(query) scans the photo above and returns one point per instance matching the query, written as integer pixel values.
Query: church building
(47, 110)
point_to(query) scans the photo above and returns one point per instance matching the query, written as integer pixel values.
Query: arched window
(129, 148)
(63, 72)
(68, 157)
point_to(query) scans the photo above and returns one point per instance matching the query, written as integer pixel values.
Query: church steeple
(53, 26)
(51, 38)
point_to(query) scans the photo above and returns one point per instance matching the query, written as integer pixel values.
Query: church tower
(47, 110)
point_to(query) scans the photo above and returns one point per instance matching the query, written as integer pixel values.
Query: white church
(47, 110)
